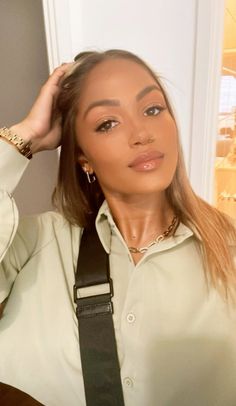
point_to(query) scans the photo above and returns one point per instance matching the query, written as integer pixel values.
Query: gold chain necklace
(158, 239)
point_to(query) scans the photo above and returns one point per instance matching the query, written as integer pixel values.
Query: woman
(171, 254)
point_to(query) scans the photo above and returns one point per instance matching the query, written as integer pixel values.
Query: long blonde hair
(79, 201)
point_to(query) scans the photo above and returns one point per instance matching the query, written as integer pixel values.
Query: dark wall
(23, 69)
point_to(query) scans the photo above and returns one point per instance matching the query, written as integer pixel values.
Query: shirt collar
(105, 223)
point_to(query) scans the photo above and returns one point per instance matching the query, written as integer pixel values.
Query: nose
(140, 136)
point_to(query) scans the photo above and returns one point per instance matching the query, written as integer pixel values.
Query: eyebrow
(147, 90)
(103, 102)
(114, 102)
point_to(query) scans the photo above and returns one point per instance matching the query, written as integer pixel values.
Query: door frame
(206, 92)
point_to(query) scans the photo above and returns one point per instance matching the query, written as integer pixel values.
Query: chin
(141, 186)
(147, 190)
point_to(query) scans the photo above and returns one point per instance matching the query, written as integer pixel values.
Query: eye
(106, 126)
(153, 111)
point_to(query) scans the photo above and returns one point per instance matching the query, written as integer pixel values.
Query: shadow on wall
(33, 194)
(23, 70)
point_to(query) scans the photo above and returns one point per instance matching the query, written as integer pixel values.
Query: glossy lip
(146, 157)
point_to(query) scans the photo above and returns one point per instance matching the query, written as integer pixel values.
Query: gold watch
(22, 145)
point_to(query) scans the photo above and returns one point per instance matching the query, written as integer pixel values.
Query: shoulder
(46, 222)
(38, 230)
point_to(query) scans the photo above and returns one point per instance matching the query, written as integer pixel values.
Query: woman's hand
(39, 126)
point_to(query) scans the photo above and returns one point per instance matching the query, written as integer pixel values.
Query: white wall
(181, 39)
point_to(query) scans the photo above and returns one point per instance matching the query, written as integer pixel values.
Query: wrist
(23, 131)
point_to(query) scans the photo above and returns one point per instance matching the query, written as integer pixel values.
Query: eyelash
(107, 126)
(102, 127)
(155, 106)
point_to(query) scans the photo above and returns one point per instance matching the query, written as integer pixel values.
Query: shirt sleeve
(12, 167)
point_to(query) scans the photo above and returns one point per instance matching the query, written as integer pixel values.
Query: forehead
(114, 77)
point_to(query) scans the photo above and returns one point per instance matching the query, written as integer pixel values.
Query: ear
(83, 161)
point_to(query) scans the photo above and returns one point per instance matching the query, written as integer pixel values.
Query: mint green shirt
(176, 340)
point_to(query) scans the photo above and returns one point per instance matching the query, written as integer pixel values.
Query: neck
(141, 219)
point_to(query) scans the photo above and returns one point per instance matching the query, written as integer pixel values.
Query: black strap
(100, 364)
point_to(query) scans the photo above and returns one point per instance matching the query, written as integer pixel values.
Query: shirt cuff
(12, 166)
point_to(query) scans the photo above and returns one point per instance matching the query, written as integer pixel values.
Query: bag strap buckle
(90, 305)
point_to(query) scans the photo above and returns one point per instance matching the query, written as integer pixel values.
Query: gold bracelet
(22, 145)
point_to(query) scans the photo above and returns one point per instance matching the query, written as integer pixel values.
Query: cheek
(105, 162)
(169, 144)
(170, 137)
(102, 156)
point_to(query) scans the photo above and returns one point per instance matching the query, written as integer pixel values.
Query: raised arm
(43, 131)
(39, 127)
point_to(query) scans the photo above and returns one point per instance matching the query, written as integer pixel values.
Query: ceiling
(229, 47)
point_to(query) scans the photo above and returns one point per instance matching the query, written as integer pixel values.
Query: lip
(147, 160)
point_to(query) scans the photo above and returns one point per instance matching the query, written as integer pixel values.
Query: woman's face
(125, 130)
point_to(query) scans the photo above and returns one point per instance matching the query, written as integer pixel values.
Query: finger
(56, 76)
(49, 91)
(63, 68)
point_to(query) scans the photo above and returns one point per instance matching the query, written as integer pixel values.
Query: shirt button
(130, 318)
(128, 382)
